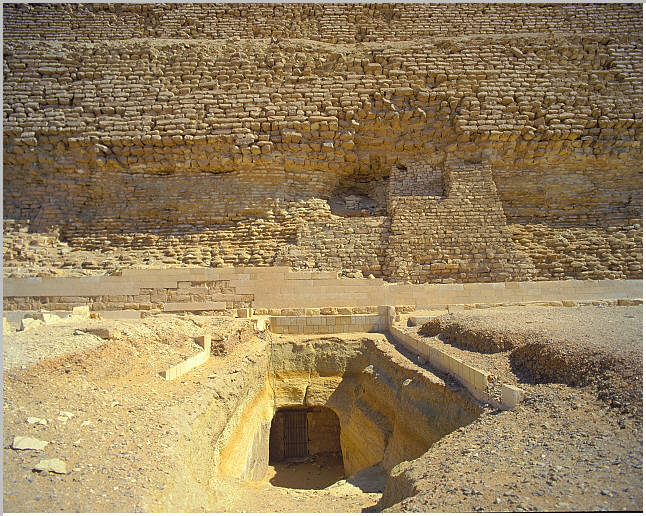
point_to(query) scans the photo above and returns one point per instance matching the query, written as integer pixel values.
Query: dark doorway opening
(305, 448)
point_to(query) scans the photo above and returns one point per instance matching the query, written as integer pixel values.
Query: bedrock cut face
(338, 402)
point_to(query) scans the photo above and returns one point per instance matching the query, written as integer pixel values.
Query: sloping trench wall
(388, 411)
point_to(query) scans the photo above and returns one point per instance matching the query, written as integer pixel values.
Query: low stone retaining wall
(475, 380)
(273, 288)
(328, 324)
(183, 367)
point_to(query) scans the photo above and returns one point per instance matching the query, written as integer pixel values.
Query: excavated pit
(306, 413)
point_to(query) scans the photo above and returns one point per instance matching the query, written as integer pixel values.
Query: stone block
(121, 314)
(261, 324)
(511, 396)
(29, 323)
(104, 333)
(50, 318)
(205, 342)
(81, 311)
(244, 313)
(480, 379)
(194, 306)
(629, 302)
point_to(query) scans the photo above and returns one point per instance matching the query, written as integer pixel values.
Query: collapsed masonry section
(445, 223)
(452, 227)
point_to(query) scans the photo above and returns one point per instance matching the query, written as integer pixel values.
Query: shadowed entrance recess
(305, 448)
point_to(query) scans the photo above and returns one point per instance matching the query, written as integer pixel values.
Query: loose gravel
(562, 449)
(565, 447)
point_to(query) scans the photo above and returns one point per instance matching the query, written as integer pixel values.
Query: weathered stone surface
(28, 443)
(104, 333)
(518, 155)
(36, 420)
(29, 322)
(52, 465)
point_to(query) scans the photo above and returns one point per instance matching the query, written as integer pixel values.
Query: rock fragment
(36, 421)
(52, 465)
(28, 443)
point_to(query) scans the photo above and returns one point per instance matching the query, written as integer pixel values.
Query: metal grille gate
(295, 433)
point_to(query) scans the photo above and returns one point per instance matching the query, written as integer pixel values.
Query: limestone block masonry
(327, 324)
(425, 142)
(278, 291)
(475, 380)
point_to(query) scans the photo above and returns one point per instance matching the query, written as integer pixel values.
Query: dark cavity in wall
(361, 194)
(305, 448)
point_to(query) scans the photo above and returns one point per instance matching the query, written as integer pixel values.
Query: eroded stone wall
(325, 22)
(188, 146)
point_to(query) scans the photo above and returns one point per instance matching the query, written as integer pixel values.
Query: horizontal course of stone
(271, 288)
(186, 134)
(328, 324)
(324, 22)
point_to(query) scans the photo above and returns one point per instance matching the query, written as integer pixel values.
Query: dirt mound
(617, 377)
(470, 335)
(576, 347)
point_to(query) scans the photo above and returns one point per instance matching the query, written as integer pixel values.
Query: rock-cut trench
(357, 394)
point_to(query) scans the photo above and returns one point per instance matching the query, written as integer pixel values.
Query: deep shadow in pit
(305, 448)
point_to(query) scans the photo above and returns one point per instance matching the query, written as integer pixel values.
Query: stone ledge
(475, 380)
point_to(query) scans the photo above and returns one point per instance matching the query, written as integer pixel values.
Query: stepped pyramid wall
(421, 142)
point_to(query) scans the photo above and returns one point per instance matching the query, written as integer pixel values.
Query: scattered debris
(52, 466)
(104, 333)
(81, 311)
(28, 443)
(29, 322)
(36, 421)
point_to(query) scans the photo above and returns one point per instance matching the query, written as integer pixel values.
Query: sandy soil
(316, 486)
(316, 472)
(564, 448)
(126, 420)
